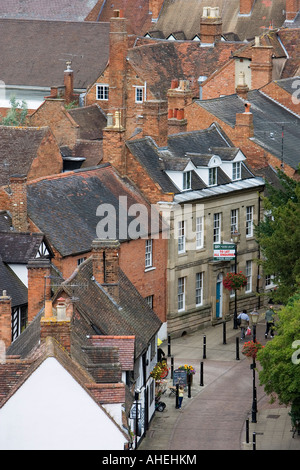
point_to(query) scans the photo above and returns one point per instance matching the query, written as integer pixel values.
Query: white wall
(51, 411)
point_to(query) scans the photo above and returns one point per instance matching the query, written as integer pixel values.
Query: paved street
(214, 417)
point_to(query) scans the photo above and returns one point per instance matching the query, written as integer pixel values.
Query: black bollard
(254, 441)
(247, 431)
(172, 366)
(169, 345)
(177, 396)
(224, 332)
(237, 344)
(201, 374)
(204, 347)
(189, 377)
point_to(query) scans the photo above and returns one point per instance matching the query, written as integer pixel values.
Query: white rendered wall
(51, 411)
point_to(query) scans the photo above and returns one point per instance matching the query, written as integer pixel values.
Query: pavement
(218, 413)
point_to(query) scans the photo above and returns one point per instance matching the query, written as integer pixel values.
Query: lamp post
(235, 238)
(254, 319)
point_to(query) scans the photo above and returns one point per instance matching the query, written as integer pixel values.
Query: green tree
(279, 236)
(280, 358)
(17, 114)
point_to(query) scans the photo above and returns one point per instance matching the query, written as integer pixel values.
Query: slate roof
(290, 85)
(127, 316)
(64, 207)
(18, 148)
(269, 120)
(197, 146)
(75, 10)
(176, 15)
(159, 62)
(85, 43)
(91, 121)
(18, 247)
(10, 282)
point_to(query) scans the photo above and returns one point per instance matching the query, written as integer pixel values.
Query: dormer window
(187, 180)
(212, 176)
(236, 171)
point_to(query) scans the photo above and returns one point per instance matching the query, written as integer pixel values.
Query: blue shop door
(218, 300)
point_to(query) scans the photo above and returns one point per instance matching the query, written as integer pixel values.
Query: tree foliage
(279, 236)
(17, 114)
(280, 358)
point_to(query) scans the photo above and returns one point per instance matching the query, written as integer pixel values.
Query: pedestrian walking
(180, 396)
(269, 317)
(244, 322)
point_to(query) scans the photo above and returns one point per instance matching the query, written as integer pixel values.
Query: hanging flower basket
(160, 371)
(250, 348)
(189, 369)
(234, 281)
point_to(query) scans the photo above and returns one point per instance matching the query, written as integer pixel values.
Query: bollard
(224, 332)
(201, 374)
(177, 396)
(189, 386)
(237, 348)
(204, 347)
(254, 441)
(172, 366)
(169, 345)
(247, 431)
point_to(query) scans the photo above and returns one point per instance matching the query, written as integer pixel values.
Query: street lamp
(235, 238)
(254, 319)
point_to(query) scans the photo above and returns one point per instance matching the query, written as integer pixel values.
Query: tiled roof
(52, 43)
(64, 207)
(182, 148)
(10, 282)
(91, 121)
(18, 148)
(184, 60)
(176, 15)
(130, 315)
(16, 247)
(269, 119)
(75, 10)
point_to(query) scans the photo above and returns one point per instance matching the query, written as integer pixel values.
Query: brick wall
(220, 83)
(282, 96)
(246, 6)
(292, 8)
(48, 160)
(5, 319)
(155, 121)
(59, 330)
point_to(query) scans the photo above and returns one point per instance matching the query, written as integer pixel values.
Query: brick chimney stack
(244, 124)
(246, 6)
(5, 319)
(105, 255)
(292, 8)
(39, 287)
(113, 145)
(154, 8)
(155, 121)
(118, 47)
(69, 83)
(57, 325)
(261, 64)
(242, 88)
(18, 184)
(210, 26)
(179, 96)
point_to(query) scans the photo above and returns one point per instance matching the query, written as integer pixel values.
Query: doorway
(219, 296)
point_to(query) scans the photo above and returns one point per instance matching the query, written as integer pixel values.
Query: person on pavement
(244, 323)
(269, 317)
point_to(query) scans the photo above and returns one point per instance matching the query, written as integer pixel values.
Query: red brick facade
(5, 319)
(18, 206)
(39, 288)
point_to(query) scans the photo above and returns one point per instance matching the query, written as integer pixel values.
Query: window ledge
(151, 268)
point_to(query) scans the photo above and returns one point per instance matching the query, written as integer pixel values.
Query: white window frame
(181, 294)
(249, 221)
(236, 171)
(212, 176)
(249, 276)
(181, 236)
(187, 180)
(217, 227)
(148, 253)
(139, 94)
(102, 91)
(149, 299)
(234, 221)
(199, 289)
(199, 232)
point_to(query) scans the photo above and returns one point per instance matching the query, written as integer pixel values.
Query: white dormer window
(236, 171)
(212, 176)
(187, 180)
